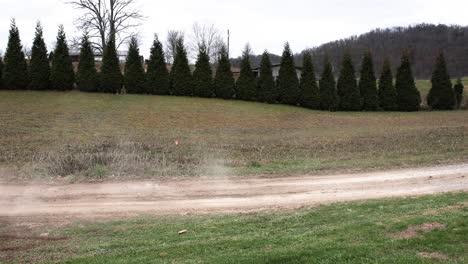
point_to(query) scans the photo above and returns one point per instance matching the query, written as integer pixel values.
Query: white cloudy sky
(265, 24)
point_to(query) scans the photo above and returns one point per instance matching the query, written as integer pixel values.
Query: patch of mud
(20, 247)
(44, 237)
(16, 246)
(433, 255)
(414, 231)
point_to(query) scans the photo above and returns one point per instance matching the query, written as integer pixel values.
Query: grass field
(92, 136)
(429, 229)
(424, 87)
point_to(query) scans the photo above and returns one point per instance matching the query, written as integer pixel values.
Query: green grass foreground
(83, 136)
(357, 232)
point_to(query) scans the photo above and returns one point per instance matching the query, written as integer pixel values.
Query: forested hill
(423, 41)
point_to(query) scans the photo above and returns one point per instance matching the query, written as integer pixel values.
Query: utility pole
(228, 42)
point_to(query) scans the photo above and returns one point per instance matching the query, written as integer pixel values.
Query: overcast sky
(265, 24)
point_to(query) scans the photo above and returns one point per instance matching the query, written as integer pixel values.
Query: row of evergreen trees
(40, 73)
(346, 94)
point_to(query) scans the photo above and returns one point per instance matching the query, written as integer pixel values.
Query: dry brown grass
(415, 231)
(49, 134)
(433, 255)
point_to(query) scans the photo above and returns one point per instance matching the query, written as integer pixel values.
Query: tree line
(345, 93)
(422, 42)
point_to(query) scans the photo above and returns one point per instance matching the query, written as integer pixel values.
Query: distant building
(235, 72)
(122, 56)
(275, 69)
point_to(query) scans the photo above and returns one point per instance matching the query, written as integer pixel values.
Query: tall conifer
(224, 81)
(441, 96)
(110, 77)
(15, 70)
(387, 92)
(267, 92)
(62, 76)
(368, 84)
(459, 88)
(181, 75)
(288, 83)
(203, 75)
(86, 77)
(327, 87)
(309, 87)
(39, 70)
(408, 96)
(157, 75)
(134, 72)
(246, 84)
(1, 72)
(347, 89)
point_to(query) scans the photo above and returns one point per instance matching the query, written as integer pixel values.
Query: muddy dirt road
(223, 194)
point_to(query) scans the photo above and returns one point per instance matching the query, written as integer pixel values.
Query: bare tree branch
(207, 37)
(173, 36)
(105, 19)
(27, 52)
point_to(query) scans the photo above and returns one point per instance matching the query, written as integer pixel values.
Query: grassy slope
(357, 232)
(96, 135)
(424, 87)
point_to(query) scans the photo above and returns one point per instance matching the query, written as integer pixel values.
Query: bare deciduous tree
(207, 37)
(173, 36)
(27, 52)
(104, 19)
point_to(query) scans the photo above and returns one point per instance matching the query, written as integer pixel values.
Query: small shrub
(254, 164)
(99, 171)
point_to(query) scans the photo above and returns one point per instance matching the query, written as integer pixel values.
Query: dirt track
(223, 194)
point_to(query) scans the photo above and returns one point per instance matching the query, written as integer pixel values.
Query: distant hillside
(423, 41)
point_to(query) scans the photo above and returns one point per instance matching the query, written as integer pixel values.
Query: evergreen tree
(309, 87)
(157, 76)
(224, 81)
(134, 72)
(86, 76)
(181, 76)
(368, 84)
(15, 71)
(203, 75)
(1, 72)
(267, 92)
(459, 88)
(246, 84)
(288, 83)
(327, 88)
(62, 76)
(387, 92)
(39, 70)
(441, 96)
(110, 80)
(408, 96)
(348, 92)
